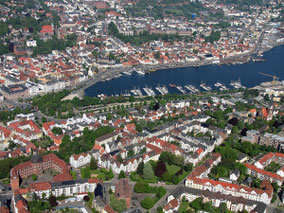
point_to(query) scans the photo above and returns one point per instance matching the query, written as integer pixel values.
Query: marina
(190, 78)
(187, 89)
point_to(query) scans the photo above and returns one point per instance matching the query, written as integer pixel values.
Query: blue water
(247, 73)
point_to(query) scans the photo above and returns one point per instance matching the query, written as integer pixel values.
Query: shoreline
(112, 73)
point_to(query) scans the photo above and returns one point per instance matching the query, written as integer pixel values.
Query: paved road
(273, 209)
(248, 28)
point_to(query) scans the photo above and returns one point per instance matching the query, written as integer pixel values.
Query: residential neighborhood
(72, 141)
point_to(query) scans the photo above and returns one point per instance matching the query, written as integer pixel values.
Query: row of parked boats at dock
(186, 89)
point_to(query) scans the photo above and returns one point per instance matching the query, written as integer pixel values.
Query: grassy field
(100, 174)
(172, 169)
(135, 177)
(118, 205)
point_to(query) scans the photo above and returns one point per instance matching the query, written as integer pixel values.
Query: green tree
(148, 171)
(93, 164)
(141, 187)
(157, 55)
(161, 192)
(196, 204)
(148, 202)
(119, 158)
(223, 207)
(121, 175)
(140, 168)
(130, 153)
(34, 177)
(208, 207)
(57, 130)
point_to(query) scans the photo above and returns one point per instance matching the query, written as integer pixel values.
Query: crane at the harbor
(272, 76)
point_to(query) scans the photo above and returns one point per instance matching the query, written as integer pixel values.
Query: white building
(80, 160)
(67, 188)
(31, 43)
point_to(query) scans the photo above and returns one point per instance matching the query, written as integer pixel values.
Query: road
(273, 209)
(98, 108)
(248, 27)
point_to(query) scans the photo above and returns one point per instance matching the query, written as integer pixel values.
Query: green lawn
(118, 205)
(100, 174)
(135, 177)
(173, 169)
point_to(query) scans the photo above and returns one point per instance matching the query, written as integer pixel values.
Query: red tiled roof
(17, 127)
(46, 29)
(199, 151)
(40, 186)
(21, 205)
(95, 180)
(281, 155)
(62, 177)
(264, 112)
(265, 158)
(229, 186)
(171, 205)
(4, 209)
(154, 148)
(5, 131)
(108, 209)
(263, 172)
(76, 157)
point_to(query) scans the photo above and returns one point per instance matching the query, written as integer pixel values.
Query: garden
(198, 205)
(170, 169)
(150, 200)
(103, 174)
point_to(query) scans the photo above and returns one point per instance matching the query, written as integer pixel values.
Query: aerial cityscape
(136, 106)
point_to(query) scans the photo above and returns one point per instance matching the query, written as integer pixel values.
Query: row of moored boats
(163, 90)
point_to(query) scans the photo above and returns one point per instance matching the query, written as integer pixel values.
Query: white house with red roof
(263, 174)
(25, 129)
(268, 158)
(172, 205)
(47, 129)
(4, 134)
(80, 160)
(230, 189)
(67, 188)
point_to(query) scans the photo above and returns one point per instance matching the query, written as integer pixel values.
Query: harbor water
(247, 73)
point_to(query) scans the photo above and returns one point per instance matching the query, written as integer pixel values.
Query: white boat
(127, 73)
(205, 87)
(181, 89)
(163, 90)
(140, 72)
(192, 88)
(149, 91)
(237, 84)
